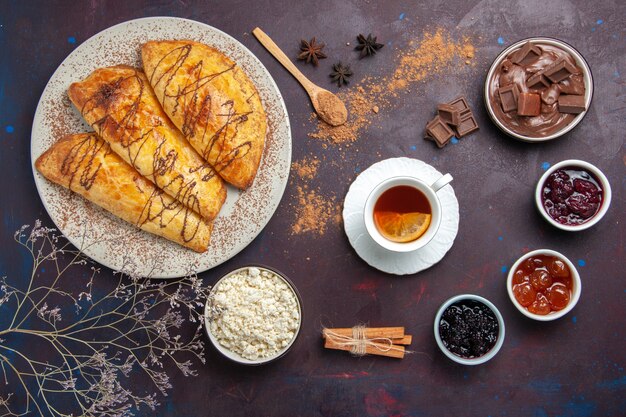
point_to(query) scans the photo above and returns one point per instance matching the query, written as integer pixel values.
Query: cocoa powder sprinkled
(435, 53)
(306, 168)
(314, 212)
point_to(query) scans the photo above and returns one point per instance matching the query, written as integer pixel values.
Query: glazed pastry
(213, 102)
(120, 105)
(85, 164)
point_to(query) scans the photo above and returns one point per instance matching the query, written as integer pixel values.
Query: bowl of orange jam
(544, 285)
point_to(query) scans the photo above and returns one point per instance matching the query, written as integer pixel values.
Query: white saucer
(370, 251)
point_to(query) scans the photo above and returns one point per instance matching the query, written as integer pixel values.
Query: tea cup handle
(441, 182)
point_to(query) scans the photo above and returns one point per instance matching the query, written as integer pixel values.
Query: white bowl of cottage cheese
(253, 315)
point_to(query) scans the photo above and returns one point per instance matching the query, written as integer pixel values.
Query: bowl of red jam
(573, 195)
(544, 285)
(469, 329)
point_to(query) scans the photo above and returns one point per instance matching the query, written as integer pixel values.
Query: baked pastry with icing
(213, 102)
(85, 164)
(120, 105)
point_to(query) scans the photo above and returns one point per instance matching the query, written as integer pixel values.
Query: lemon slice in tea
(402, 227)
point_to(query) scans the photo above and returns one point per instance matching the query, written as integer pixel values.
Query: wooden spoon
(327, 105)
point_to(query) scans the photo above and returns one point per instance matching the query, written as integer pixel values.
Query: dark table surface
(571, 367)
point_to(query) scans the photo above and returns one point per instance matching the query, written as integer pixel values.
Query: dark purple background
(571, 367)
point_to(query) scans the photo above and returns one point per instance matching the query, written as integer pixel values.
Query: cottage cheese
(258, 313)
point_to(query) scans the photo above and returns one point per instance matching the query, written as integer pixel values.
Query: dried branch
(65, 354)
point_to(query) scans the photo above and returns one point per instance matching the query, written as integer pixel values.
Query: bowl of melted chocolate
(538, 89)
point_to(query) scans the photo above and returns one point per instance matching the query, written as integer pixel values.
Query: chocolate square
(431, 139)
(438, 130)
(449, 114)
(575, 84)
(559, 70)
(468, 125)
(508, 97)
(538, 81)
(527, 54)
(461, 105)
(529, 104)
(572, 104)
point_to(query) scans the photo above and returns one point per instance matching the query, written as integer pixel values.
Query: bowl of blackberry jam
(573, 195)
(469, 329)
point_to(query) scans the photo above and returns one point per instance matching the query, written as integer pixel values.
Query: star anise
(368, 46)
(311, 51)
(340, 74)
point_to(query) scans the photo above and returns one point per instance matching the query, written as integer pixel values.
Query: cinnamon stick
(372, 332)
(406, 340)
(381, 349)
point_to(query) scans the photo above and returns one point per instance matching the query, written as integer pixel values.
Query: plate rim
(273, 87)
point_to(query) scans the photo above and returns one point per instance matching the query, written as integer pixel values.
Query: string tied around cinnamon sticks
(361, 340)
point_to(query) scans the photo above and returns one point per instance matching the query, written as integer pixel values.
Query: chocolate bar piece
(529, 104)
(439, 131)
(468, 125)
(461, 105)
(572, 104)
(508, 97)
(559, 71)
(538, 81)
(573, 85)
(431, 139)
(449, 114)
(526, 55)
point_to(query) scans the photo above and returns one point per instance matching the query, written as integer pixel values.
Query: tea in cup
(403, 214)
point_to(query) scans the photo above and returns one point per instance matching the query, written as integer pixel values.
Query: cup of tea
(402, 214)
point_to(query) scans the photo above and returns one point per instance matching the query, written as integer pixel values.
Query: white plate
(108, 239)
(383, 259)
